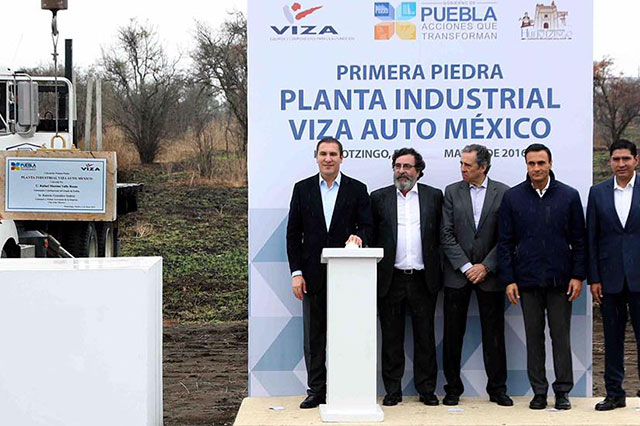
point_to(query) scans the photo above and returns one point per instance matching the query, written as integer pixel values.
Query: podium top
(357, 253)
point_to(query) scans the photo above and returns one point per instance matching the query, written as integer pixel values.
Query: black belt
(408, 271)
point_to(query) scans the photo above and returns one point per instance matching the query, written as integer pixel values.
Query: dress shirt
(622, 198)
(329, 197)
(478, 194)
(409, 248)
(541, 192)
(477, 199)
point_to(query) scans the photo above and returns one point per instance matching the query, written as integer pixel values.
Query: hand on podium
(353, 242)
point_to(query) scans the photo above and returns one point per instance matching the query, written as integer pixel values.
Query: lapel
(392, 211)
(424, 203)
(467, 207)
(611, 204)
(339, 201)
(316, 200)
(489, 198)
(635, 202)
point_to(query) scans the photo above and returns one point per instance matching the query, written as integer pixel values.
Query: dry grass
(224, 167)
(140, 229)
(113, 140)
(212, 158)
(599, 141)
(176, 150)
(231, 173)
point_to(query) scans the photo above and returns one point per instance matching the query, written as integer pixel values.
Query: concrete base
(337, 414)
(471, 411)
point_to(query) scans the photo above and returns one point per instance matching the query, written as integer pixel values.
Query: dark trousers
(614, 321)
(558, 309)
(491, 306)
(314, 317)
(408, 292)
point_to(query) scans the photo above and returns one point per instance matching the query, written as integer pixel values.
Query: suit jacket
(384, 205)
(308, 234)
(462, 242)
(541, 240)
(613, 250)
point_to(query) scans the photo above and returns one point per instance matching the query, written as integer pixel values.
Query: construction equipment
(56, 200)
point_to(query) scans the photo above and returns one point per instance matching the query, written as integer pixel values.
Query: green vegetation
(601, 169)
(200, 230)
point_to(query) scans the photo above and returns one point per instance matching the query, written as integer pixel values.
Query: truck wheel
(106, 240)
(10, 250)
(82, 240)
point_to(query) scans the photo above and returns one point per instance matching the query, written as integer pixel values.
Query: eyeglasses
(405, 167)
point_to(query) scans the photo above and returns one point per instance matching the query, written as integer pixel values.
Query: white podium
(351, 335)
(81, 342)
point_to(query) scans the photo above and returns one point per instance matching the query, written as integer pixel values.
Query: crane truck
(55, 200)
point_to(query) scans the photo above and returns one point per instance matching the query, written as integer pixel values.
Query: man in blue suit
(541, 261)
(613, 242)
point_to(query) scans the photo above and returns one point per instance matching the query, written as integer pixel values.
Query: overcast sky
(92, 24)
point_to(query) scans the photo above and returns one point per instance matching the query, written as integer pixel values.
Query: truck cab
(28, 113)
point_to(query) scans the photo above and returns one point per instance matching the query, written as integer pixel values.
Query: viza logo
(295, 13)
(304, 30)
(90, 167)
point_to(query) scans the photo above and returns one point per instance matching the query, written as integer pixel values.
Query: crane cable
(54, 37)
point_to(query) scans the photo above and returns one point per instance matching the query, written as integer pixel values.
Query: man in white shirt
(406, 223)
(613, 241)
(328, 209)
(469, 236)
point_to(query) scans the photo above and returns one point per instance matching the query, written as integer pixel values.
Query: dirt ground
(205, 371)
(631, 382)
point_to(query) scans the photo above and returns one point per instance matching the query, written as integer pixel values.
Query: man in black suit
(406, 224)
(613, 244)
(327, 209)
(469, 236)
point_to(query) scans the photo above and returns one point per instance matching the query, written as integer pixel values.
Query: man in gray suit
(469, 236)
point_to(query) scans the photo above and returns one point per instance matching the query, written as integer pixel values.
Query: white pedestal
(81, 342)
(351, 335)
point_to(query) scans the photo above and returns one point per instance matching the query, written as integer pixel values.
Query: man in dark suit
(613, 242)
(328, 209)
(541, 261)
(468, 237)
(406, 224)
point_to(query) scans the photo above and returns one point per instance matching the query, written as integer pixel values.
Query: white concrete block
(81, 342)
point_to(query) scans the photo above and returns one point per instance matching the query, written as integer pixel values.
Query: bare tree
(616, 100)
(221, 63)
(198, 107)
(145, 88)
(198, 113)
